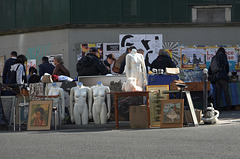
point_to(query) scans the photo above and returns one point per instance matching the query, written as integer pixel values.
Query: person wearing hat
(91, 65)
(162, 61)
(109, 61)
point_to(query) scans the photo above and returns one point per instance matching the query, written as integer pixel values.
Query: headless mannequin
(55, 90)
(135, 68)
(79, 95)
(131, 85)
(99, 110)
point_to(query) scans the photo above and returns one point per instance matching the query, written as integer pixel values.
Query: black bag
(215, 64)
(13, 76)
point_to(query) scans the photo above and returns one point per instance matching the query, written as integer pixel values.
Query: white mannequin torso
(79, 95)
(135, 68)
(100, 110)
(54, 91)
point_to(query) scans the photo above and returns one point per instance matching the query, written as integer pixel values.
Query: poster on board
(150, 43)
(111, 48)
(231, 55)
(85, 49)
(2, 60)
(31, 63)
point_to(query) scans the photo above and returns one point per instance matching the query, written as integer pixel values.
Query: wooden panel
(196, 86)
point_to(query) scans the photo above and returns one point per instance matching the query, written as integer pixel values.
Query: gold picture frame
(155, 98)
(172, 113)
(39, 115)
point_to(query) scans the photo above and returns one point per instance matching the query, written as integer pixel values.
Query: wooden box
(188, 116)
(138, 116)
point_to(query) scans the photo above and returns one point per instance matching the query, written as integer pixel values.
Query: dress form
(78, 98)
(135, 68)
(54, 91)
(99, 110)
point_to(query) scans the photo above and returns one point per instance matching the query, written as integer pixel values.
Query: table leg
(148, 109)
(116, 110)
(19, 119)
(14, 118)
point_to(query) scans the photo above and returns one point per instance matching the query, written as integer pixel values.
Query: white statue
(58, 102)
(131, 85)
(99, 110)
(135, 68)
(78, 98)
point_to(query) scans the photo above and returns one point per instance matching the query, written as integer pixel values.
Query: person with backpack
(7, 66)
(91, 65)
(18, 71)
(218, 75)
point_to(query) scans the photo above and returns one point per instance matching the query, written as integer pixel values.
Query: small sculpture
(211, 115)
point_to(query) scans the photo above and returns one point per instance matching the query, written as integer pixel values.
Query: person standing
(19, 68)
(91, 65)
(218, 74)
(45, 67)
(7, 66)
(162, 61)
(109, 61)
(60, 69)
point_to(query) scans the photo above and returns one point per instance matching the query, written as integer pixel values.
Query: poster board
(8, 102)
(150, 43)
(155, 98)
(31, 63)
(111, 48)
(2, 60)
(85, 49)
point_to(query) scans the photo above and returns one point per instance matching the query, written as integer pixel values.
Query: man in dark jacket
(162, 61)
(220, 76)
(91, 65)
(45, 67)
(7, 66)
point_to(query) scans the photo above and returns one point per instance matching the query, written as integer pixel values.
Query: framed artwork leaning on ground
(172, 113)
(155, 98)
(39, 115)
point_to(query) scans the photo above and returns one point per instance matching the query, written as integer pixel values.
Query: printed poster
(150, 43)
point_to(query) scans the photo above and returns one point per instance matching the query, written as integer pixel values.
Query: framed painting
(172, 113)
(155, 98)
(39, 115)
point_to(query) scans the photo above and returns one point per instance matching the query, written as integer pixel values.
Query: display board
(150, 43)
(201, 55)
(86, 46)
(8, 102)
(111, 48)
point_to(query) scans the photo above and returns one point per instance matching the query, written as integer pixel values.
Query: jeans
(222, 84)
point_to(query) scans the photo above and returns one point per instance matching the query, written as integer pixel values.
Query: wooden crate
(138, 116)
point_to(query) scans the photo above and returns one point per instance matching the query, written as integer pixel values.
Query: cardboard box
(138, 116)
(188, 115)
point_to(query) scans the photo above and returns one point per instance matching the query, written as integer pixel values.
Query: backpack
(13, 76)
(215, 64)
(117, 63)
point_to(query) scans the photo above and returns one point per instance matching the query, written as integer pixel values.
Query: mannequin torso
(135, 68)
(99, 109)
(54, 91)
(79, 95)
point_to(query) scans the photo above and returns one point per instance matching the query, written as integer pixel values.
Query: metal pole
(205, 93)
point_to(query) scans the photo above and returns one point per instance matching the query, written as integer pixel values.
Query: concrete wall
(66, 41)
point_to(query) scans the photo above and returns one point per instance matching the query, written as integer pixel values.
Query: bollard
(205, 93)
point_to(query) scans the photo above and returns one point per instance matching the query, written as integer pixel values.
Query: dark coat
(107, 65)
(45, 67)
(161, 62)
(60, 69)
(91, 65)
(34, 79)
(6, 70)
(223, 74)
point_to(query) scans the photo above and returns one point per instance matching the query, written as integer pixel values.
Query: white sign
(150, 43)
(111, 48)
(31, 63)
